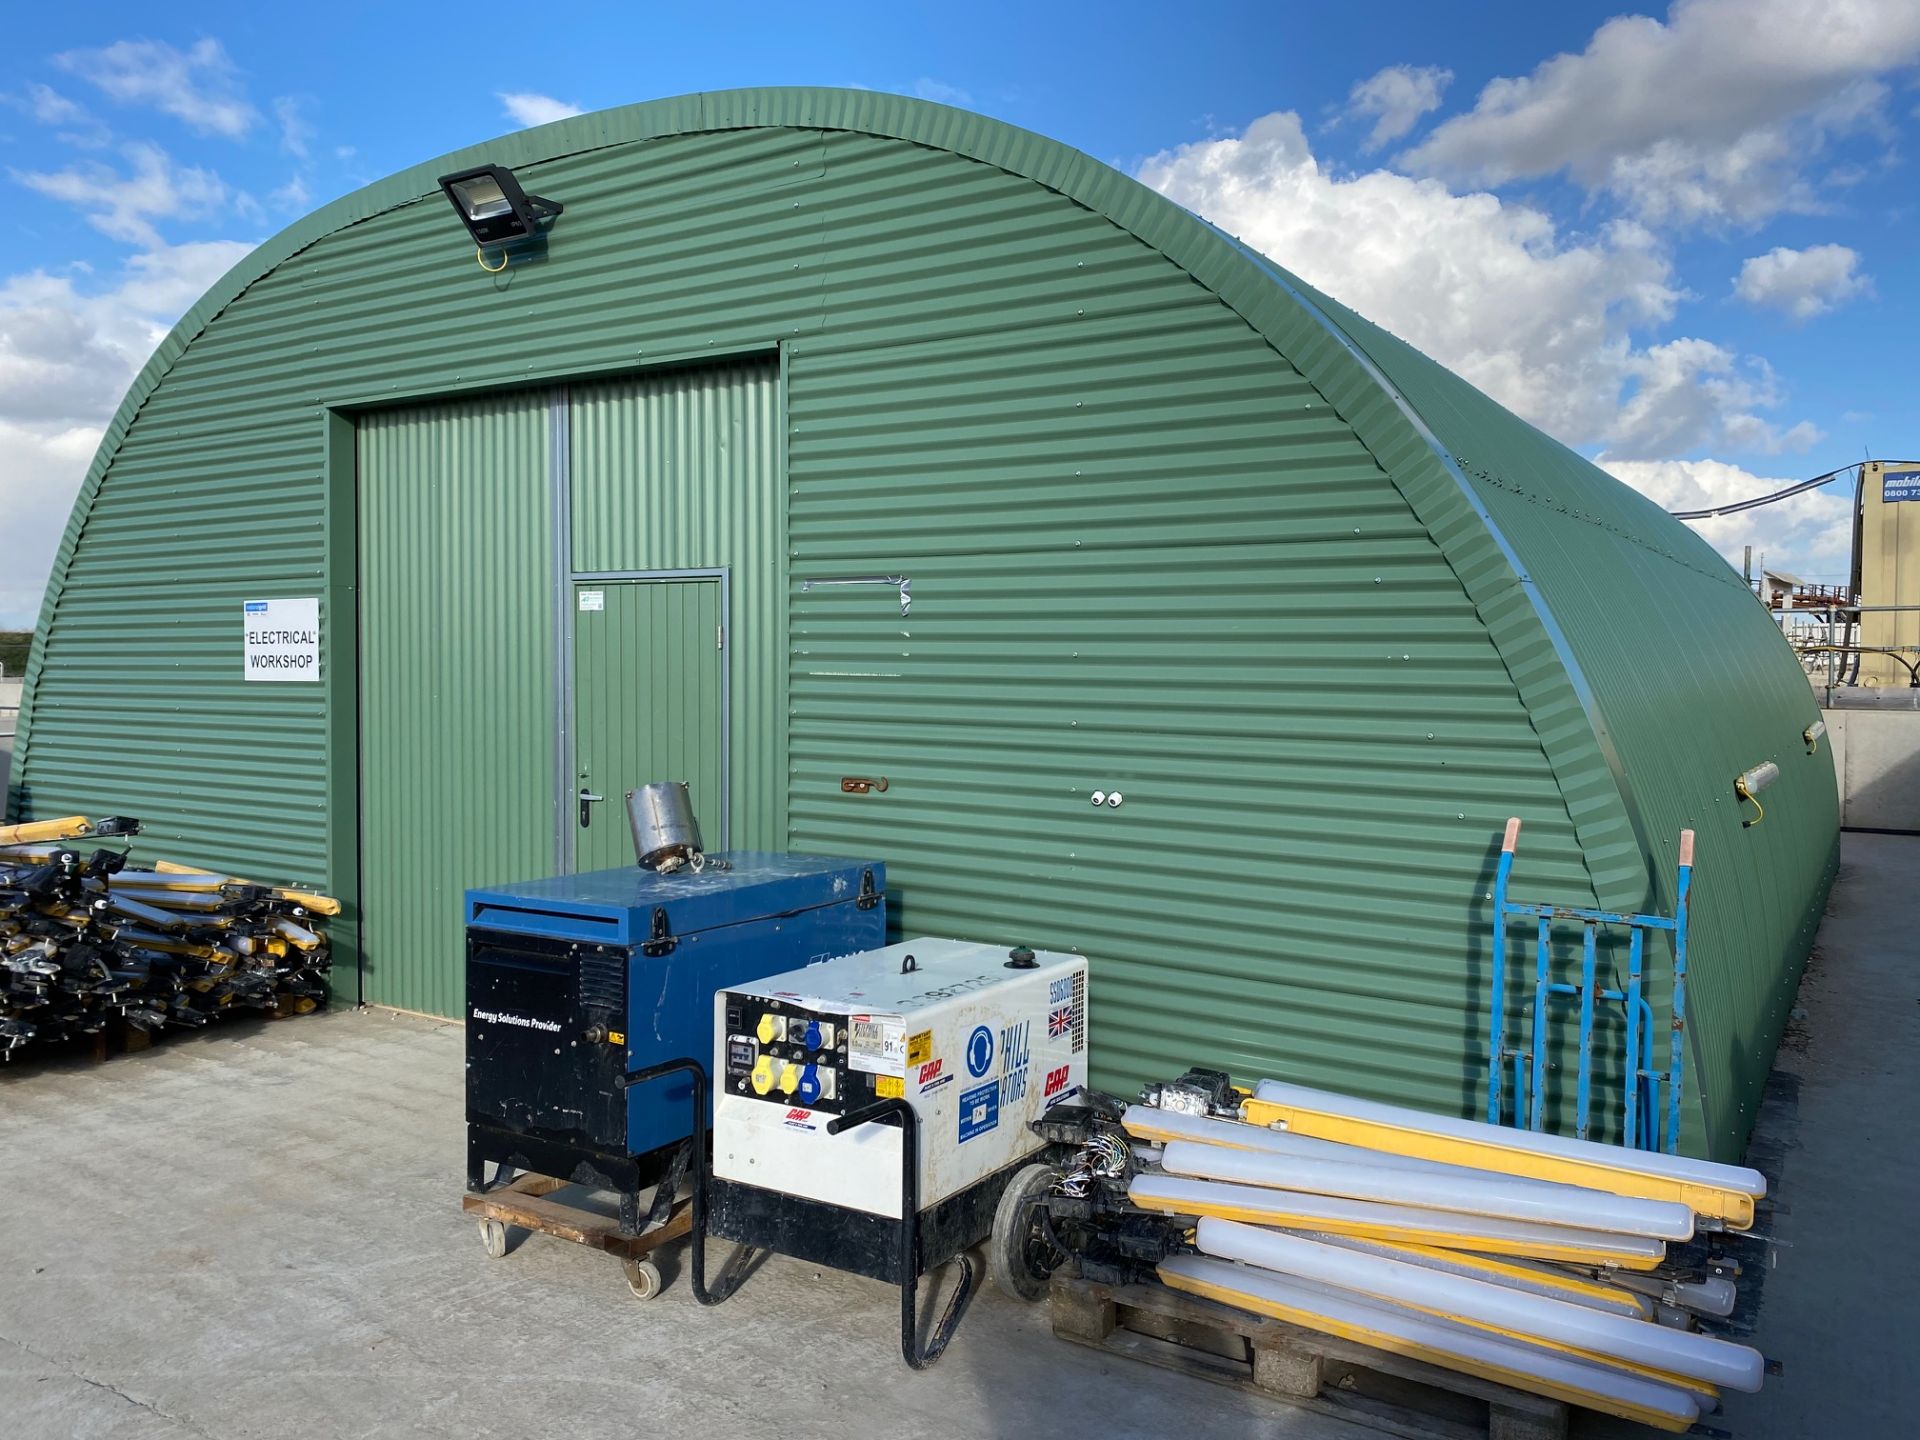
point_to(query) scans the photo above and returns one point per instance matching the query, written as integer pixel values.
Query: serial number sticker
(889, 1087)
(877, 1044)
(920, 1048)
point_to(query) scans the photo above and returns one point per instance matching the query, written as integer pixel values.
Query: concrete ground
(254, 1231)
(1840, 1133)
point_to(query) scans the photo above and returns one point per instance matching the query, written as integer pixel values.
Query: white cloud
(1810, 535)
(938, 91)
(295, 130)
(1687, 392)
(1803, 283)
(1395, 98)
(1711, 116)
(198, 85)
(125, 205)
(43, 471)
(294, 197)
(50, 107)
(524, 107)
(1543, 322)
(66, 359)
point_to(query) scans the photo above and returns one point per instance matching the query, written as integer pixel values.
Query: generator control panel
(781, 1050)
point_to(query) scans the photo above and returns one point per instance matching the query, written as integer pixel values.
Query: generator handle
(734, 1271)
(908, 1259)
(879, 1110)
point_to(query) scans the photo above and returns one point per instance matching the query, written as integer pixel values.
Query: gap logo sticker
(979, 1051)
(979, 1110)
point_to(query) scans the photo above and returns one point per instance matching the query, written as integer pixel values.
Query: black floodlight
(493, 207)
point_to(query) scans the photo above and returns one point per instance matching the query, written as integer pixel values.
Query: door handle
(587, 800)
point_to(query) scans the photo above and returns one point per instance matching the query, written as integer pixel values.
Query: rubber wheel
(1020, 1257)
(643, 1278)
(493, 1238)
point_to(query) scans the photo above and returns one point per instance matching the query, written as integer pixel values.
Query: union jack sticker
(1059, 1021)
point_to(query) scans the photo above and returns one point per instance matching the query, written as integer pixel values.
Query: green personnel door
(649, 703)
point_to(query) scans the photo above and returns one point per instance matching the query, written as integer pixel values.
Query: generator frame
(909, 1252)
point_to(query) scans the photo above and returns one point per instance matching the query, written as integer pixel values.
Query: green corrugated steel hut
(1173, 525)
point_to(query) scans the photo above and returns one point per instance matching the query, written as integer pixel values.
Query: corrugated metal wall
(1144, 554)
(1147, 557)
(144, 711)
(1665, 632)
(457, 676)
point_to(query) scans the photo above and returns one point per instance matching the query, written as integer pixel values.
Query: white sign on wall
(283, 639)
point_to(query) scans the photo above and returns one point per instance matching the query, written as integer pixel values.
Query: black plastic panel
(535, 1067)
(856, 1241)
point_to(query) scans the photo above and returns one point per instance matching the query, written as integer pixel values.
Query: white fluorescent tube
(1176, 1195)
(1516, 1274)
(1563, 1376)
(1699, 1357)
(1466, 1194)
(1704, 1395)
(1148, 1122)
(1736, 1178)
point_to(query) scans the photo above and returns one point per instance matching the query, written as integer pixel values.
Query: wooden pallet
(1388, 1392)
(528, 1203)
(116, 1037)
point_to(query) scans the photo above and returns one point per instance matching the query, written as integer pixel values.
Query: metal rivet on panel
(1099, 797)
(1113, 800)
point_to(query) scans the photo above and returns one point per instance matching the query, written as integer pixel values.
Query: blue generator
(577, 982)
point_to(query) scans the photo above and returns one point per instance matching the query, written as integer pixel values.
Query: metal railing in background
(1835, 651)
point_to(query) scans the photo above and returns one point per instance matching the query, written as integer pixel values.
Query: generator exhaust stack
(666, 833)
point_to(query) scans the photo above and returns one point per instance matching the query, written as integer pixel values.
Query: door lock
(587, 800)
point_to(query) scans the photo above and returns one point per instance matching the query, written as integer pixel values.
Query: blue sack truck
(1644, 1084)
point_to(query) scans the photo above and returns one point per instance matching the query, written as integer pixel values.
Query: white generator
(822, 1073)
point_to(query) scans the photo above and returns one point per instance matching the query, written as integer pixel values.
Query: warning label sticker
(877, 1044)
(920, 1047)
(979, 1110)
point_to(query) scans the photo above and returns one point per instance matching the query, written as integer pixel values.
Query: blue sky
(1674, 239)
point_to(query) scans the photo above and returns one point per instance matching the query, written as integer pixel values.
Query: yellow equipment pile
(1537, 1261)
(87, 936)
